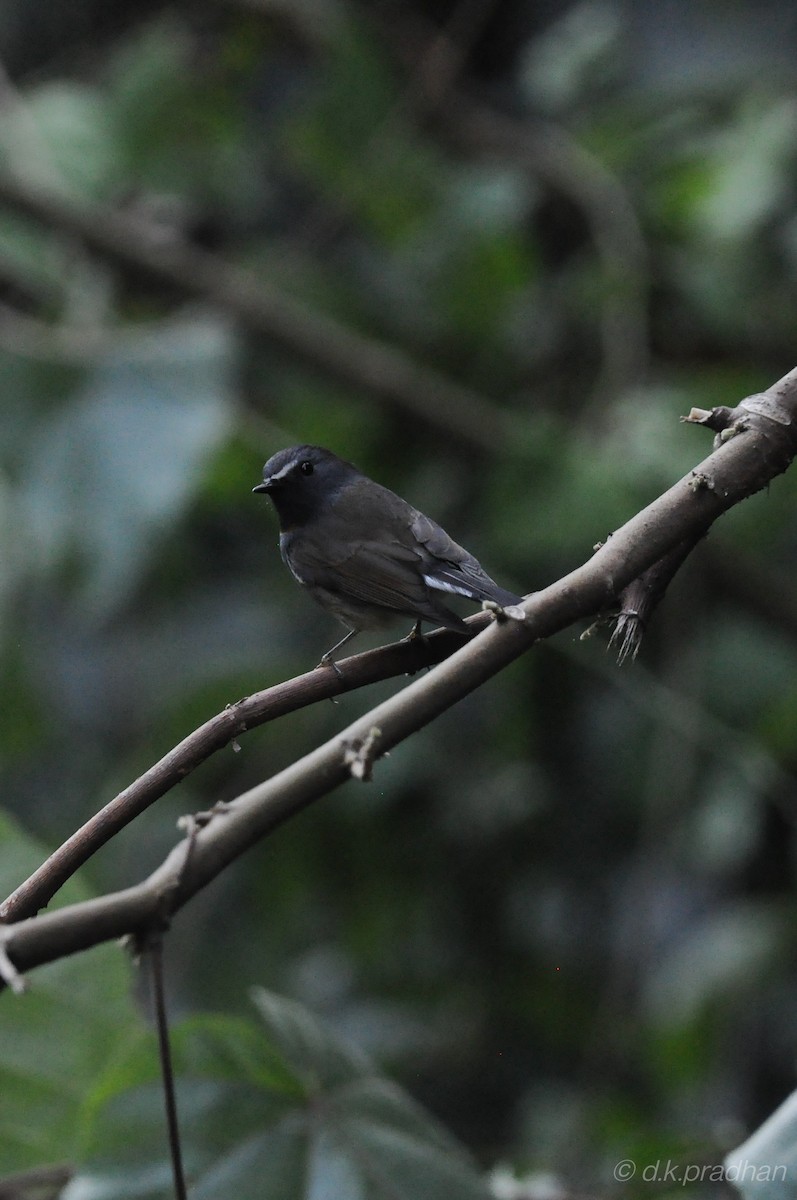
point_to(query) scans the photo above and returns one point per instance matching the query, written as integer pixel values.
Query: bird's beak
(262, 487)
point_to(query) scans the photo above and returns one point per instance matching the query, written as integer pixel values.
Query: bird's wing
(383, 573)
(374, 548)
(448, 566)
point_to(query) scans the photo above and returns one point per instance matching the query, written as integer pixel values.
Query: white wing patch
(442, 586)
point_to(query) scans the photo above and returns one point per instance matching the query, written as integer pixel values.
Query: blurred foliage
(310, 1115)
(57, 1040)
(561, 917)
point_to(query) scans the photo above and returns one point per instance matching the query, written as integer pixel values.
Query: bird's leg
(326, 659)
(414, 633)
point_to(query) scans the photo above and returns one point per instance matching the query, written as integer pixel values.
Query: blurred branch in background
(548, 153)
(318, 341)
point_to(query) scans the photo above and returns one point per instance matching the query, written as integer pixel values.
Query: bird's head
(302, 481)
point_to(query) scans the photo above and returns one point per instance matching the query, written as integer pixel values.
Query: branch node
(359, 755)
(728, 422)
(764, 404)
(740, 425)
(713, 418)
(191, 823)
(701, 482)
(505, 612)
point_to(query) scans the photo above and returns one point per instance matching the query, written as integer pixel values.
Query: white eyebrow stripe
(286, 470)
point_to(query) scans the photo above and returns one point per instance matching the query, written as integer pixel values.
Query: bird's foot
(328, 661)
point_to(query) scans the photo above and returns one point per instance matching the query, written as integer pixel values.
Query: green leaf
(305, 1046)
(179, 124)
(281, 1109)
(58, 1038)
(63, 136)
(115, 467)
(752, 166)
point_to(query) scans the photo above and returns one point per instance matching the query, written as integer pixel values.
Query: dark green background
(562, 916)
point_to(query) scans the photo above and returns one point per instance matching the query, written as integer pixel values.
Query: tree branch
(758, 443)
(401, 658)
(642, 597)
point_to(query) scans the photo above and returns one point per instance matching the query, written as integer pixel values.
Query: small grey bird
(362, 552)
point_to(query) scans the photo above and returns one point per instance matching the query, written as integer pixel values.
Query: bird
(362, 552)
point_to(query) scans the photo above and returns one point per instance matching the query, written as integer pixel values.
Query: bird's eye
(306, 468)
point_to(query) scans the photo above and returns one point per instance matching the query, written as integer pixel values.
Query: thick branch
(743, 464)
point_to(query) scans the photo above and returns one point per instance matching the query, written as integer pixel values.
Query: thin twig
(153, 951)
